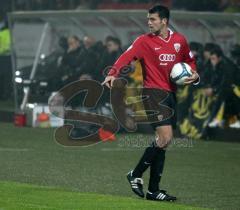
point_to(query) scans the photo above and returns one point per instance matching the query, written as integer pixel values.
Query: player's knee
(163, 140)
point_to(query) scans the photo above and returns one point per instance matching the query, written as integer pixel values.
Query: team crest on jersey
(177, 47)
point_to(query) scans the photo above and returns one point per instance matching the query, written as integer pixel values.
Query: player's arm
(132, 53)
(188, 58)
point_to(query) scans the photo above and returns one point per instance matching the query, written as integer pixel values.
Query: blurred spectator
(88, 41)
(70, 58)
(110, 53)
(80, 59)
(213, 101)
(197, 50)
(207, 51)
(220, 82)
(90, 58)
(113, 45)
(235, 54)
(73, 44)
(185, 93)
(63, 43)
(113, 50)
(207, 63)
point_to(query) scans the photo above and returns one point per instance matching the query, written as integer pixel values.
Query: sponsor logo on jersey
(157, 48)
(163, 64)
(177, 47)
(167, 57)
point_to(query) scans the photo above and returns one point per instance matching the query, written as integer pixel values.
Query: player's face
(214, 60)
(155, 23)
(206, 55)
(112, 47)
(73, 43)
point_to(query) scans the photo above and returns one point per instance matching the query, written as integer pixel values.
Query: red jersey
(157, 56)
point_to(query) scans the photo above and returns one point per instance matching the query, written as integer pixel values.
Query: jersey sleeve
(188, 56)
(132, 53)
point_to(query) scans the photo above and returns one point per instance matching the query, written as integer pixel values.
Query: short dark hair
(209, 46)
(113, 39)
(162, 11)
(196, 46)
(216, 51)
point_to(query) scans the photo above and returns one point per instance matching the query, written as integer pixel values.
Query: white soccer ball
(180, 72)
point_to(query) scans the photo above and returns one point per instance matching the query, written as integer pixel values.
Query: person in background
(111, 52)
(221, 80)
(114, 48)
(207, 52)
(185, 92)
(197, 51)
(88, 41)
(70, 58)
(90, 58)
(235, 55)
(207, 66)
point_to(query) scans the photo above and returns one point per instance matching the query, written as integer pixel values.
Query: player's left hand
(192, 79)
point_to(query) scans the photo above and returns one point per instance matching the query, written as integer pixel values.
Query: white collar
(170, 33)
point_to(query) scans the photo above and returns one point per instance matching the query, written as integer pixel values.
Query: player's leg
(152, 104)
(146, 160)
(154, 150)
(134, 176)
(164, 135)
(154, 156)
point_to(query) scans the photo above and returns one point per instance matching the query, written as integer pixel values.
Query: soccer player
(158, 51)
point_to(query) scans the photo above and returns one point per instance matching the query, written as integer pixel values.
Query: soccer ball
(180, 72)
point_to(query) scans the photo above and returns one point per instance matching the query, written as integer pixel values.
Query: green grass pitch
(37, 173)
(26, 197)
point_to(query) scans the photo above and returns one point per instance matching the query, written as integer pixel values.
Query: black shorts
(160, 107)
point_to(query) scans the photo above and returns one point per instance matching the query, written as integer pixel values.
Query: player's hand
(109, 81)
(191, 79)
